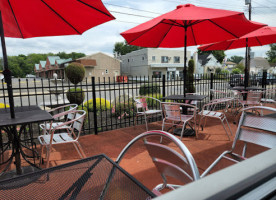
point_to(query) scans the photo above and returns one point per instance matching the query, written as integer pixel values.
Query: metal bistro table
(25, 115)
(96, 177)
(181, 99)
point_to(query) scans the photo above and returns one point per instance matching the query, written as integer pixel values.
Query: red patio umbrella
(263, 36)
(190, 25)
(36, 18)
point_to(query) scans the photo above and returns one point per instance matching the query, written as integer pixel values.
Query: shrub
(224, 71)
(149, 88)
(123, 110)
(236, 71)
(125, 98)
(75, 95)
(218, 70)
(190, 81)
(101, 104)
(2, 105)
(75, 72)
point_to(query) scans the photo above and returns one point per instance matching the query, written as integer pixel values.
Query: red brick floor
(211, 142)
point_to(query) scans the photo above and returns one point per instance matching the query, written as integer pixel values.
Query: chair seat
(150, 112)
(54, 125)
(250, 102)
(184, 118)
(208, 113)
(57, 138)
(268, 100)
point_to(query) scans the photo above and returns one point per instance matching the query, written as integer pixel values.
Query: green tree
(271, 54)
(122, 48)
(236, 59)
(218, 70)
(219, 55)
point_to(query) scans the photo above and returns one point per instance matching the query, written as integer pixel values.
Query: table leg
(16, 146)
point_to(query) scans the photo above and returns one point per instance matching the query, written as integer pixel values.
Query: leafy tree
(224, 71)
(122, 48)
(219, 55)
(271, 54)
(235, 59)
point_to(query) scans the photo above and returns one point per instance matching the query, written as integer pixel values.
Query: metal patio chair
(253, 98)
(59, 120)
(168, 161)
(210, 110)
(142, 108)
(253, 128)
(56, 136)
(174, 117)
(269, 96)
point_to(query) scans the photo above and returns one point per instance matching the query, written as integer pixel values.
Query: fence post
(94, 105)
(163, 85)
(264, 79)
(211, 84)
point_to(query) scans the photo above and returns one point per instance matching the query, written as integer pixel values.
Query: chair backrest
(256, 128)
(254, 96)
(76, 123)
(62, 109)
(168, 161)
(141, 103)
(217, 94)
(171, 111)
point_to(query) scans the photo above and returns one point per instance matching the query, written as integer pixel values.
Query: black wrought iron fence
(109, 104)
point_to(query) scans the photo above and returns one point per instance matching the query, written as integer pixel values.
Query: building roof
(230, 63)
(92, 55)
(258, 62)
(37, 66)
(42, 63)
(62, 61)
(204, 58)
(52, 59)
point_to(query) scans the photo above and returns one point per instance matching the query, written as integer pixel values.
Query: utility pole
(248, 50)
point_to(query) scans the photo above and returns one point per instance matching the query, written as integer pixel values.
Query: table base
(187, 132)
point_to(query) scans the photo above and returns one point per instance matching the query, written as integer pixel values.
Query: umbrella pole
(246, 66)
(6, 72)
(185, 61)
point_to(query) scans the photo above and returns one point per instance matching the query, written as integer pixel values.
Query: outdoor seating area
(137, 139)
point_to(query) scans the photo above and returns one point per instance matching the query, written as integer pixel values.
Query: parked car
(30, 76)
(236, 80)
(270, 79)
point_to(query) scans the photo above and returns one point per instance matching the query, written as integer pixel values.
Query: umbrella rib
(193, 35)
(175, 23)
(143, 34)
(96, 9)
(223, 28)
(15, 19)
(60, 17)
(229, 45)
(259, 41)
(165, 35)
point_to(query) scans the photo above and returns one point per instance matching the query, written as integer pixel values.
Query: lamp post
(247, 52)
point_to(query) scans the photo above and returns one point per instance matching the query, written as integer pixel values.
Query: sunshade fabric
(204, 25)
(36, 18)
(263, 36)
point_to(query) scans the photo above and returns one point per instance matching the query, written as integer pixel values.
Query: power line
(123, 13)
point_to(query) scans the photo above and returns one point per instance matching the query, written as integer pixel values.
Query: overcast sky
(130, 13)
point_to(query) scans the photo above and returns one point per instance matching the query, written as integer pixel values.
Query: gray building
(154, 62)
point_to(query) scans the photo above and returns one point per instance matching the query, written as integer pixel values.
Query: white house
(257, 65)
(205, 63)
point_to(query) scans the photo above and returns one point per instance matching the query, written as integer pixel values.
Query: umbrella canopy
(200, 25)
(37, 18)
(190, 25)
(263, 36)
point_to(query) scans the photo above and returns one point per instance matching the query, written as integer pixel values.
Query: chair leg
(146, 122)
(182, 131)
(244, 149)
(48, 149)
(41, 153)
(222, 122)
(199, 123)
(228, 126)
(79, 149)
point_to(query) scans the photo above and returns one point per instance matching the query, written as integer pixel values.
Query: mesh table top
(97, 177)
(23, 115)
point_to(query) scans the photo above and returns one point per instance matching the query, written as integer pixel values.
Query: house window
(143, 58)
(106, 71)
(153, 58)
(176, 59)
(164, 59)
(157, 74)
(127, 60)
